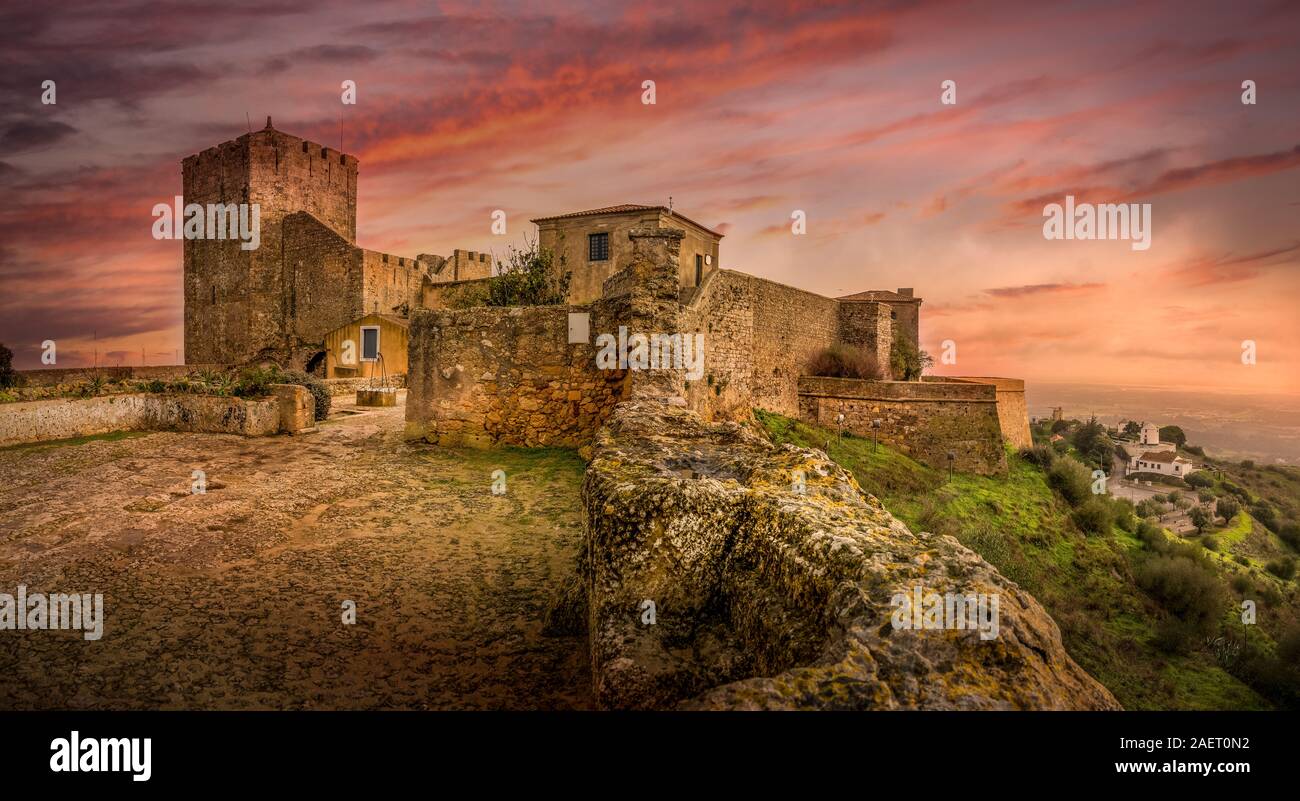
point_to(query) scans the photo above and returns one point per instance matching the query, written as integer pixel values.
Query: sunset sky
(762, 109)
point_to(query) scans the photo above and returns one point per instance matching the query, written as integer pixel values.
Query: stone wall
(38, 421)
(868, 325)
(234, 299)
(349, 386)
(490, 375)
(758, 338)
(926, 420)
(1013, 415)
(765, 597)
(324, 277)
(454, 294)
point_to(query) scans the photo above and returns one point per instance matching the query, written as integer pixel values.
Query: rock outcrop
(712, 578)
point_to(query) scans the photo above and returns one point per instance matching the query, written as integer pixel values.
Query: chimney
(905, 291)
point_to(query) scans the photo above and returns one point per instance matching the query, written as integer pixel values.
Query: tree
(8, 377)
(1227, 507)
(1132, 428)
(1198, 480)
(530, 277)
(1173, 434)
(1199, 519)
(907, 361)
(1096, 446)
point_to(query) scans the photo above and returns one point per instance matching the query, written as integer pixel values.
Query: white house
(1167, 463)
(1154, 456)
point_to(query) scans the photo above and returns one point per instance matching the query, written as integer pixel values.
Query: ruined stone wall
(38, 421)
(758, 338)
(490, 375)
(768, 597)
(924, 419)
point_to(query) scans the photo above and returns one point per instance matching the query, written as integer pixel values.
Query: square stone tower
(237, 302)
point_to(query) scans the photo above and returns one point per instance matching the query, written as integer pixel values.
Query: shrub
(1210, 543)
(1125, 517)
(1174, 636)
(1094, 516)
(1283, 567)
(8, 378)
(844, 361)
(319, 392)
(1186, 589)
(1040, 455)
(1205, 496)
(907, 361)
(255, 382)
(1071, 479)
(1290, 534)
(530, 277)
(1266, 514)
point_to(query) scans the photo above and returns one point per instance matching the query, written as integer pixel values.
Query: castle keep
(308, 277)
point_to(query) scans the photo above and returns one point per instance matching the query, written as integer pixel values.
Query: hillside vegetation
(1155, 617)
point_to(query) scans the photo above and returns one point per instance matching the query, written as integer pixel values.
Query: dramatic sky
(762, 109)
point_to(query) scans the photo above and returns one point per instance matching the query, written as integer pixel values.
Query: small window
(699, 269)
(369, 343)
(598, 247)
(893, 315)
(304, 147)
(324, 153)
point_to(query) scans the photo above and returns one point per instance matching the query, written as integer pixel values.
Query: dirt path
(233, 599)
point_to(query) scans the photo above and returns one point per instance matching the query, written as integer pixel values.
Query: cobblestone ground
(232, 599)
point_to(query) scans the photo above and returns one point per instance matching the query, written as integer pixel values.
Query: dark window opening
(597, 247)
(369, 343)
(324, 153)
(699, 269)
(214, 296)
(893, 315)
(304, 147)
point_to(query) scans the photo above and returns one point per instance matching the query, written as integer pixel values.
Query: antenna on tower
(670, 202)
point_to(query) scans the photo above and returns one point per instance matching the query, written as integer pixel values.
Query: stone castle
(485, 375)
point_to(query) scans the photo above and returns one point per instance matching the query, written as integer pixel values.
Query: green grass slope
(1109, 624)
